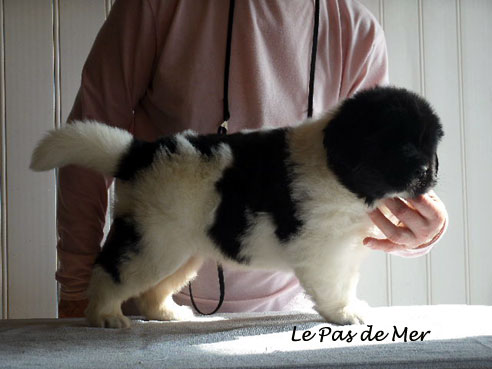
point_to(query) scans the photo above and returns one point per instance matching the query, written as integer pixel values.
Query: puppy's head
(382, 142)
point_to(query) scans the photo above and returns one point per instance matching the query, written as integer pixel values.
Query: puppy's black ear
(382, 140)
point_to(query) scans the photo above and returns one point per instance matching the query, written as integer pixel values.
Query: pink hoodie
(157, 67)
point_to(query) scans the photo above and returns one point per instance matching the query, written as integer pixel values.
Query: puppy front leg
(333, 289)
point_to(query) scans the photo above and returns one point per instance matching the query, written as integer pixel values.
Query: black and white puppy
(293, 198)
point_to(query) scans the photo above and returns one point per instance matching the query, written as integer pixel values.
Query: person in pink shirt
(157, 67)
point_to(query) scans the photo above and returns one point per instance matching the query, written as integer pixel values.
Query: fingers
(383, 245)
(423, 218)
(432, 208)
(429, 205)
(396, 234)
(412, 218)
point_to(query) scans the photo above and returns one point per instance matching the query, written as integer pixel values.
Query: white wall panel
(401, 26)
(31, 196)
(442, 68)
(476, 33)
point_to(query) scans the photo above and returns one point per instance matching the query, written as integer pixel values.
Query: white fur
(174, 203)
(84, 144)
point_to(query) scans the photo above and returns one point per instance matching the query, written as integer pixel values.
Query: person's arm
(366, 57)
(115, 76)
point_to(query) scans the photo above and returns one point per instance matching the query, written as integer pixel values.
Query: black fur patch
(141, 155)
(257, 182)
(207, 143)
(123, 239)
(383, 141)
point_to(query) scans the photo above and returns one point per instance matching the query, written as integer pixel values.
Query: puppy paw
(109, 321)
(354, 313)
(181, 313)
(169, 311)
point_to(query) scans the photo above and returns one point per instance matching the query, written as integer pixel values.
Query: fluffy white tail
(89, 144)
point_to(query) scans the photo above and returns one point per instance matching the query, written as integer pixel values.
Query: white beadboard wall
(440, 48)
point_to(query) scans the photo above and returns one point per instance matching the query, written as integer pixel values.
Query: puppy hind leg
(138, 273)
(107, 288)
(157, 304)
(105, 298)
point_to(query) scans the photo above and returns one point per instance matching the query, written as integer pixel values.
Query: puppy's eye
(420, 171)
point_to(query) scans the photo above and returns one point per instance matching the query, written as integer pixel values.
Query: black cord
(226, 113)
(313, 59)
(222, 130)
(220, 273)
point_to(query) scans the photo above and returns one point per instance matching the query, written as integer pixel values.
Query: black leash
(314, 50)
(226, 113)
(220, 272)
(222, 130)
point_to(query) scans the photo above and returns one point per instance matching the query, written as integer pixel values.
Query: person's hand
(421, 222)
(72, 309)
